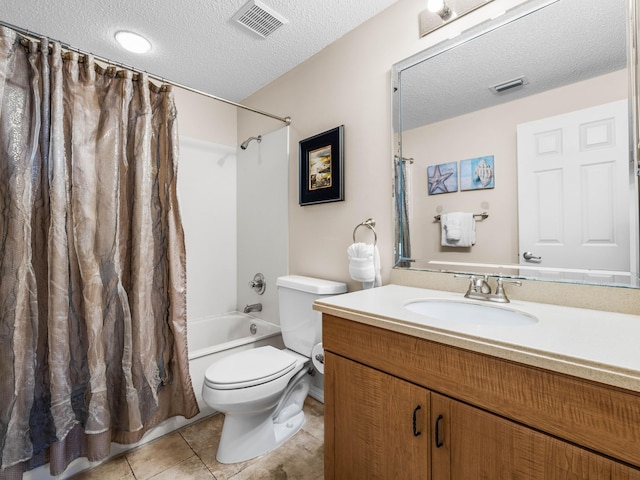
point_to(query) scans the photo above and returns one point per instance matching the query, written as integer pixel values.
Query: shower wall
(207, 193)
(234, 208)
(263, 218)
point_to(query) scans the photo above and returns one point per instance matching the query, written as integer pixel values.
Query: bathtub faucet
(256, 307)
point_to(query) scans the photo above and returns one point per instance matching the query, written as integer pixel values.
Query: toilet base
(246, 436)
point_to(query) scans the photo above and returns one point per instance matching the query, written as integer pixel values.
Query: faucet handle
(502, 281)
(472, 282)
(482, 284)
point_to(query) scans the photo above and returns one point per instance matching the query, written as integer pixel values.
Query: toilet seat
(249, 368)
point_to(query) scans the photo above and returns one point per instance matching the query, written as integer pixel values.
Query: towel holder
(480, 216)
(370, 223)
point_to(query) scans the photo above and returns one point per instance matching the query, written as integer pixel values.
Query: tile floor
(190, 453)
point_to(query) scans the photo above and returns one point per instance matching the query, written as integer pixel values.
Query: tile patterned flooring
(190, 453)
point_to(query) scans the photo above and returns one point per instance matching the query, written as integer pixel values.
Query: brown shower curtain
(92, 258)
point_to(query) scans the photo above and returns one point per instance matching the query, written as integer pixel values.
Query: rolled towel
(361, 262)
(377, 281)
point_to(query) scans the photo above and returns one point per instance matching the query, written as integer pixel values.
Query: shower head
(246, 143)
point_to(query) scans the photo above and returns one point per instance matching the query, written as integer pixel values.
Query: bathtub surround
(93, 271)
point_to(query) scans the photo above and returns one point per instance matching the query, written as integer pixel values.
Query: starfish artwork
(443, 178)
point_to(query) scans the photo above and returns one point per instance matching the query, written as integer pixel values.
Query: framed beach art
(443, 178)
(477, 173)
(322, 167)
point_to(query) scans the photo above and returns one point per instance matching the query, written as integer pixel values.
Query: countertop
(590, 344)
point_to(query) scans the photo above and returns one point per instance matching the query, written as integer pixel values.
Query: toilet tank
(301, 325)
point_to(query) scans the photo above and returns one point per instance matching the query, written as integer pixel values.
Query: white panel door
(573, 184)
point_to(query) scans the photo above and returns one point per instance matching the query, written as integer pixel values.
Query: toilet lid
(248, 368)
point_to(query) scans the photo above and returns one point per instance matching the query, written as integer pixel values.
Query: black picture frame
(322, 167)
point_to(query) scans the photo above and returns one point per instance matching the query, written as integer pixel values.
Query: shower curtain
(92, 258)
(401, 193)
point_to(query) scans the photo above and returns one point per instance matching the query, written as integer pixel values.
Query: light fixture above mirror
(440, 12)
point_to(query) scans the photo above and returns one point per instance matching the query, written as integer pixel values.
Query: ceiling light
(133, 42)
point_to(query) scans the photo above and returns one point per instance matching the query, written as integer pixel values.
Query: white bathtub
(215, 337)
(219, 334)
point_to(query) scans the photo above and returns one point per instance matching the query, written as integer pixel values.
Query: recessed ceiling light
(133, 42)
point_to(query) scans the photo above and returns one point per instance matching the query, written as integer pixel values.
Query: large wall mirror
(527, 121)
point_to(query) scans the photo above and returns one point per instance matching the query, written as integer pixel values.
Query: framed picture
(443, 178)
(321, 167)
(477, 173)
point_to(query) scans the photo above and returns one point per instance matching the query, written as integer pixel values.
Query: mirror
(539, 98)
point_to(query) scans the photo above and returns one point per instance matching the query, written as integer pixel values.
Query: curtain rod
(36, 37)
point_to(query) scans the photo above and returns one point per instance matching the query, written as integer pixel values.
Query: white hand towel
(377, 281)
(361, 262)
(458, 229)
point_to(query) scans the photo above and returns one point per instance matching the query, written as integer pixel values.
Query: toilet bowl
(262, 391)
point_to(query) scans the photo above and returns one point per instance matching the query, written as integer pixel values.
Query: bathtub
(219, 334)
(215, 337)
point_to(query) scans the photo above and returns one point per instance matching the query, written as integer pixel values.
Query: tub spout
(256, 307)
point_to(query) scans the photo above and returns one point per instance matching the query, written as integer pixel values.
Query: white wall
(234, 206)
(207, 196)
(263, 173)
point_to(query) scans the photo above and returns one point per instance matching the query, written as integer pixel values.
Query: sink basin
(472, 313)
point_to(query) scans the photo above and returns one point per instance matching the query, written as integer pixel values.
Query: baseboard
(317, 393)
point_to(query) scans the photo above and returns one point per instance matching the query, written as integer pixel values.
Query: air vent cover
(508, 85)
(259, 18)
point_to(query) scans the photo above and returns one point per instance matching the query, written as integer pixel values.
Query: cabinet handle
(416, 433)
(438, 442)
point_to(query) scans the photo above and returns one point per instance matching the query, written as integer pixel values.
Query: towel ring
(369, 223)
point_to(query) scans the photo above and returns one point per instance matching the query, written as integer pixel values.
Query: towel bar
(481, 216)
(369, 223)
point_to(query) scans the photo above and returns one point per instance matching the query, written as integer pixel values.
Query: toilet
(261, 391)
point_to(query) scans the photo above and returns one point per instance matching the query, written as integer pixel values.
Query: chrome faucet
(255, 307)
(479, 288)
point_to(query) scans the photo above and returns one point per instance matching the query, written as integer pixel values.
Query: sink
(471, 313)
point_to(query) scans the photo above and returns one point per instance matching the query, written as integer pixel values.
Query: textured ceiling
(195, 42)
(563, 43)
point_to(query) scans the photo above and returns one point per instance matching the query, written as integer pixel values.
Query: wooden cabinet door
(377, 426)
(479, 445)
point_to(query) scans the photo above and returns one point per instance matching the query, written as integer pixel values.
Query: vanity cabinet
(380, 426)
(477, 444)
(402, 407)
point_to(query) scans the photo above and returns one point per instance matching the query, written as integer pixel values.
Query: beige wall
(205, 119)
(348, 83)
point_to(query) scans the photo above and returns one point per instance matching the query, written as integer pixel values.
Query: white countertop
(591, 344)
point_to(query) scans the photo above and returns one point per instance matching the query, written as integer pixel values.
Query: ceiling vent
(505, 86)
(259, 18)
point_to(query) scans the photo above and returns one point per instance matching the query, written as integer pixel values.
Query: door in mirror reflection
(573, 172)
